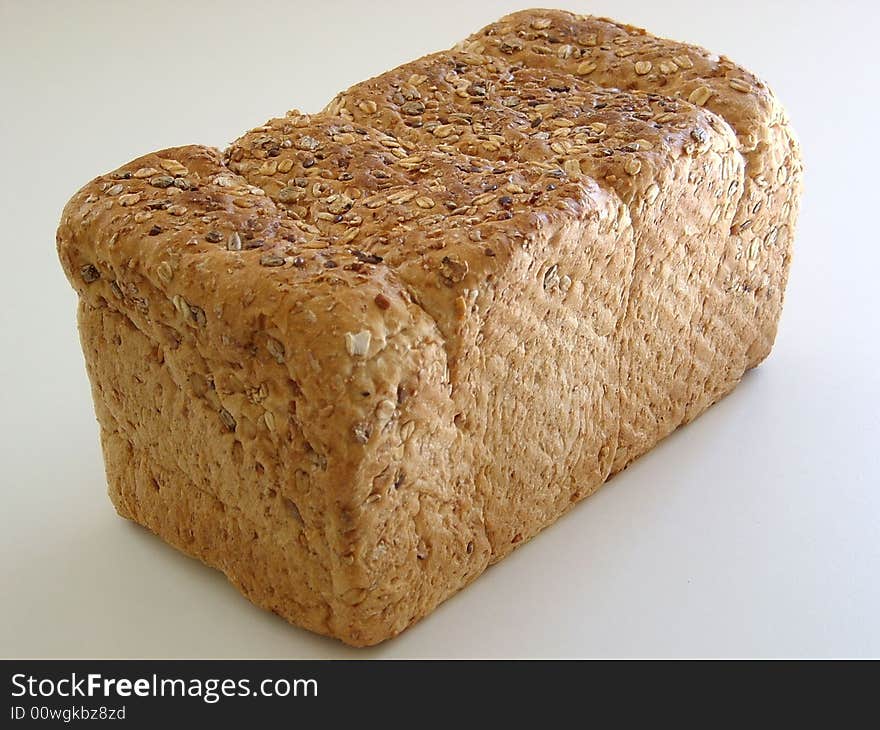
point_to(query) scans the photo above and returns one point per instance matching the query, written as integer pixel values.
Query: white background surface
(754, 531)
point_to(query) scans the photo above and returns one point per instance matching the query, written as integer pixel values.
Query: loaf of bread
(360, 355)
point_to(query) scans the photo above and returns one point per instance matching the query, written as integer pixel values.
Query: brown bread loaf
(360, 355)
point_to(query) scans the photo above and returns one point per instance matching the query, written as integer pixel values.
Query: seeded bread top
(547, 119)
(415, 185)
(622, 56)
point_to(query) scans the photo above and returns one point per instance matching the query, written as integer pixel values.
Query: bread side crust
(163, 454)
(755, 264)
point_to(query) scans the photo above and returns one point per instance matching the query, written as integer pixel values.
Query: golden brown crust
(362, 354)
